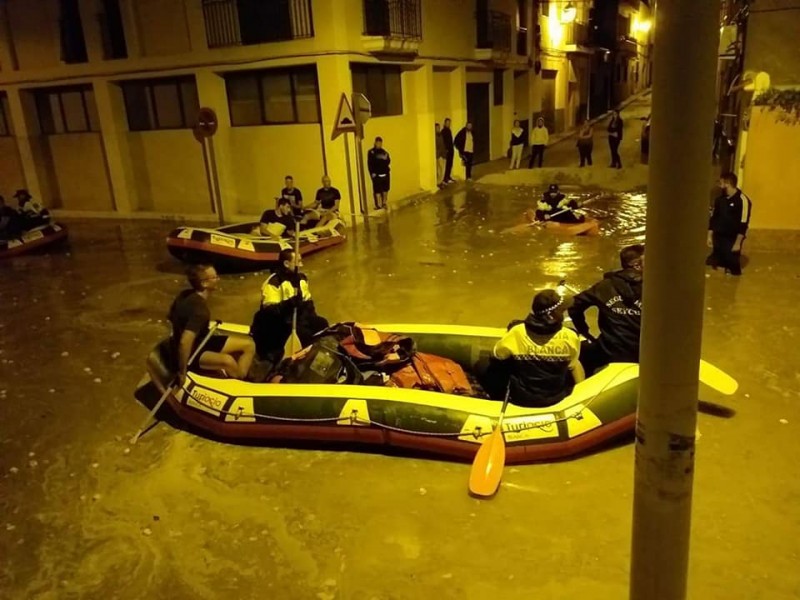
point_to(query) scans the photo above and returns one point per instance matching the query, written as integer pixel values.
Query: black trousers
(536, 150)
(723, 255)
(593, 357)
(585, 152)
(468, 157)
(448, 166)
(613, 144)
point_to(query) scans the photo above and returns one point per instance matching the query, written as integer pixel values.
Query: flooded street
(85, 515)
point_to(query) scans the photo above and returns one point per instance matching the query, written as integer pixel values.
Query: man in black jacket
(465, 144)
(615, 127)
(447, 136)
(282, 292)
(728, 225)
(618, 297)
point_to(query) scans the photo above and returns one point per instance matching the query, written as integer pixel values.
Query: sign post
(204, 131)
(363, 112)
(346, 123)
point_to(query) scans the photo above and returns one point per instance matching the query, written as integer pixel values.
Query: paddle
(292, 345)
(168, 391)
(487, 468)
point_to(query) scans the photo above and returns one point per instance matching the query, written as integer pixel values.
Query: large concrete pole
(686, 40)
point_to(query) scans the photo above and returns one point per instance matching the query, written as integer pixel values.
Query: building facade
(98, 98)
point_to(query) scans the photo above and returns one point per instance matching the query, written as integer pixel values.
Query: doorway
(549, 99)
(478, 115)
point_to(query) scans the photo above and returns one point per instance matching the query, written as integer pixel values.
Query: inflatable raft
(233, 246)
(600, 409)
(33, 239)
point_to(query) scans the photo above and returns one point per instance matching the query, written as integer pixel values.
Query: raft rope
(356, 420)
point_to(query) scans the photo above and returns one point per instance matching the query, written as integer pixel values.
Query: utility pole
(686, 41)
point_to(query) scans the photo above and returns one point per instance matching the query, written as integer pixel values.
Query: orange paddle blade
(487, 468)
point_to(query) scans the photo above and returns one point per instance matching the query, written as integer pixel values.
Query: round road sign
(206, 122)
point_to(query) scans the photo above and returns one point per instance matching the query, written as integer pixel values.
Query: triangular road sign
(345, 121)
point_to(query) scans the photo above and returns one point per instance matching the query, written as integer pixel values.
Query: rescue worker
(556, 207)
(378, 161)
(618, 298)
(274, 223)
(190, 317)
(544, 355)
(284, 290)
(727, 227)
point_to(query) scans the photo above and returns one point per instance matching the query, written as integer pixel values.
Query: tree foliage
(785, 102)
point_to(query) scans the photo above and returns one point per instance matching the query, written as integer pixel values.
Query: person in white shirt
(465, 144)
(540, 137)
(517, 144)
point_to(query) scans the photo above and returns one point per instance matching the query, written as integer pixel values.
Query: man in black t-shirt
(190, 317)
(327, 202)
(293, 195)
(275, 223)
(9, 220)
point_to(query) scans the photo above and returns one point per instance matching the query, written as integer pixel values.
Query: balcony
(493, 36)
(392, 26)
(627, 44)
(248, 22)
(576, 38)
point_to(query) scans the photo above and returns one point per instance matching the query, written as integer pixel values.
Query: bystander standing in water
(727, 227)
(378, 161)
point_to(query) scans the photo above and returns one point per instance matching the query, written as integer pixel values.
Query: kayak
(32, 239)
(233, 246)
(589, 227)
(599, 410)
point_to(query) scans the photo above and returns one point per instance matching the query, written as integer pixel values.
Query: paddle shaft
(561, 212)
(298, 290)
(167, 392)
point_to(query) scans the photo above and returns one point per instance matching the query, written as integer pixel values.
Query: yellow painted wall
(260, 157)
(79, 170)
(11, 175)
(34, 25)
(162, 26)
(445, 31)
(168, 171)
(400, 140)
(772, 171)
(442, 101)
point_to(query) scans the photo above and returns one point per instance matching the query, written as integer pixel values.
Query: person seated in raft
(542, 353)
(10, 221)
(284, 290)
(274, 223)
(189, 316)
(618, 298)
(33, 214)
(293, 195)
(326, 202)
(557, 207)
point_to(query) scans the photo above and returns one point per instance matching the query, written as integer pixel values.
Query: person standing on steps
(540, 137)
(465, 144)
(378, 162)
(615, 139)
(517, 144)
(727, 227)
(447, 137)
(585, 144)
(441, 158)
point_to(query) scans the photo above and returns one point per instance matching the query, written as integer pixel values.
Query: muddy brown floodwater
(84, 515)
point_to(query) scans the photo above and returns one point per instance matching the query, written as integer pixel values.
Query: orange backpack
(434, 373)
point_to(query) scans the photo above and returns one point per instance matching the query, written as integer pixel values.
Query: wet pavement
(85, 515)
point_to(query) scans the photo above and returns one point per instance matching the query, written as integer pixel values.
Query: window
(67, 110)
(244, 22)
(112, 31)
(382, 87)
(544, 5)
(5, 119)
(73, 44)
(273, 97)
(498, 87)
(168, 103)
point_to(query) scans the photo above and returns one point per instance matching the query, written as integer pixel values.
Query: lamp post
(680, 173)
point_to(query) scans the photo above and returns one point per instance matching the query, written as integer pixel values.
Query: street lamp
(569, 13)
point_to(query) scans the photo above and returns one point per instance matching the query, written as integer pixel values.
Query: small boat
(589, 227)
(234, 246)
(600, 409)
(48, 234)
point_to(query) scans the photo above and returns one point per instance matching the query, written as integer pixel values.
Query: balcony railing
(576, 34)
(494, 31)
(246, 22)
(400, 19)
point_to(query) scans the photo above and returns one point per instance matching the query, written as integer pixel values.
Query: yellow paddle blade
(292, 345)
(487, 468)
(717, 379)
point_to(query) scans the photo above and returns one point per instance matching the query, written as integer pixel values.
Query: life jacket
(434, 373)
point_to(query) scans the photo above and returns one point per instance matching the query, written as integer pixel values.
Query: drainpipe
(680, 173)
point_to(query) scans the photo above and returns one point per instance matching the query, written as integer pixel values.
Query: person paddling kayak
(555, 206)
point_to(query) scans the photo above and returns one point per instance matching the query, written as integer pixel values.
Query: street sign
(207, 123)
(345, 121)
(363, 108)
